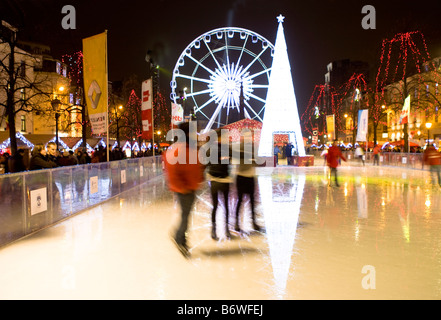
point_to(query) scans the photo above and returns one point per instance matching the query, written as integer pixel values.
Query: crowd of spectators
(42, 157)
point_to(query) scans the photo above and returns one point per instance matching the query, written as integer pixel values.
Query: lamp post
(117, 117)
(428, 126)
(56, 104)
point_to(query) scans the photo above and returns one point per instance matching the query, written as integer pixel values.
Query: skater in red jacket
(334, 153)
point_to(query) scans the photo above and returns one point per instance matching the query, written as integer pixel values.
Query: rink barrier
(33, 200)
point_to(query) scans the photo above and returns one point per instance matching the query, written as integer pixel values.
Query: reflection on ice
(281, 196)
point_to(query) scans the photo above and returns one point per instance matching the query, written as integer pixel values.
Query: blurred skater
(324, 154)
(432, 158)
(376, 154)
(219, 175)
(333, 157)
(359, 153)
(184, 178)
(245, 184)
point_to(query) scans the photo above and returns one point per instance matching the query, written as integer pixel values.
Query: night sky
(317, 31)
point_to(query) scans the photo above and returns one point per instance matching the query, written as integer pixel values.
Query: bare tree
(21, 90)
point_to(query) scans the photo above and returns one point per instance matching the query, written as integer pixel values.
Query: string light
(401, 57)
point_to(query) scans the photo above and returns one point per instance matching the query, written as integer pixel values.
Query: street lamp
(56, 105)
(428, 126)
(118, 110)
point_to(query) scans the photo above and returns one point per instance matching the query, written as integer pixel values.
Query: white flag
(362, 125)
(404, 116)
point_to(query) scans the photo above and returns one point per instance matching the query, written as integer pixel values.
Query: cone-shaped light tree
(281, 113)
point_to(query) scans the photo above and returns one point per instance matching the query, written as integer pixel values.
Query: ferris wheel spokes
(211, 54)
(210, 123)
(200, 64)
(192, 94)
(192, 78)
(198, 109)
(249, 107)
(255, 59)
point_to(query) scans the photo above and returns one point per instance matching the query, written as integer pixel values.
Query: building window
(23, 123)
(22, 69)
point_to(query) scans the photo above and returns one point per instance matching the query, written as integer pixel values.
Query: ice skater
(359, 153)
(218, 173)
(333, 157)
(245, 184)
(376, 154)
(432, 158)
(183, 178)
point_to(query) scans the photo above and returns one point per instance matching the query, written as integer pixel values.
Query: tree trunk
(375, 127)
(11, 121)
(10, 104)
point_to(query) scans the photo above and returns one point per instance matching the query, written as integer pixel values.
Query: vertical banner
(330, 126)
(362, 125)
(95, 80)
(147, 110)
(177, 114)
(404, 116)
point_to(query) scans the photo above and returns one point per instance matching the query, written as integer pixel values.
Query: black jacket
(39, 161)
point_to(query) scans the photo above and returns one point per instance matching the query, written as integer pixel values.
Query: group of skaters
(184, 178)
(333, 157)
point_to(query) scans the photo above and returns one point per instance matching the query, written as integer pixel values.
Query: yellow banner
(95, 80)
(330, 125)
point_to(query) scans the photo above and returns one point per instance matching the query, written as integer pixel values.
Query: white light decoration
(5, 144)
(61, 142)
(78, 145)
(281, 113)
(127, 146)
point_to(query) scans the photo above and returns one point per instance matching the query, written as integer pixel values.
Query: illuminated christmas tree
(281, 113)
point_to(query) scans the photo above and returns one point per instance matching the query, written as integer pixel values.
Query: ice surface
(377, 236)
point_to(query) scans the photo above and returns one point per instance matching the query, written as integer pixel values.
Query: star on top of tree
(280, 18)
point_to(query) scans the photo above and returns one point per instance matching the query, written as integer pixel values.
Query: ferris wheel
(223, 74)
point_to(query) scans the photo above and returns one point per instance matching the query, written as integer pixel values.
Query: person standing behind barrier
(334, 154)
(39, 159)
(288, 153)
(432, 158)
(220, 180)
(183, 178)
(276, 155)
(52, 152)
(376, 154)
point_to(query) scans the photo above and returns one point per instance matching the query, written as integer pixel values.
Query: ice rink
(377, 236)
